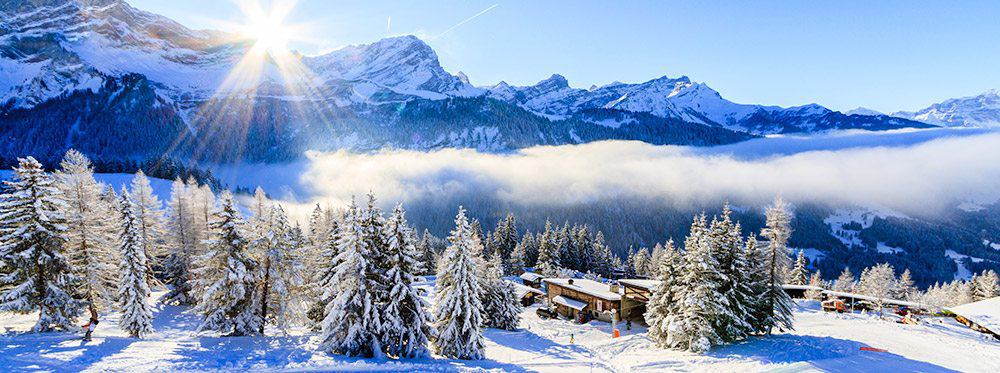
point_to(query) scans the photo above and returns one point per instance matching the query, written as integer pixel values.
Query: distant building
(527, 295)
(582, 299)
(532, 279)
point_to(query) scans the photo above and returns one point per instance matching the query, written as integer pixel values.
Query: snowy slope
(976, 111)
(820, 341)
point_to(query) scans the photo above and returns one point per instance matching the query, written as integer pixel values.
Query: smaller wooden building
(527, 295)
(636, 293)
(581, 299)
(532, 279)
(982, 316)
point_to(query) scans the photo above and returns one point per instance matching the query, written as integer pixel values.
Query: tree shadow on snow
(57, 351)
(244, 352)
(823, 353)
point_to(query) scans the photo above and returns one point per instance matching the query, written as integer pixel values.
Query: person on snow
(89, 328)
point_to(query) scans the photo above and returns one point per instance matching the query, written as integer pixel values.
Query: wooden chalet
(532, 279)
(982, 316)
(527, 295)
(582, 299)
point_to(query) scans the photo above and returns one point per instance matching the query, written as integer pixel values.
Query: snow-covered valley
(821, 341)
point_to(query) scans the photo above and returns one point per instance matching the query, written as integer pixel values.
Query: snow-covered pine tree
(281, 271)
(133, 291)
(182, 238)
(986, 286)
(230, 276)
(799, 274)
(530, 248)
(260, 209)
(654, 259)
(501, 308)
(641, 263)
(582, 248)
(662, 303)
(91, 231)
(407, 324)
(353, 324)
(777, 230)
(845, 282)
(37, 275)
(457, 311)
(904, 287)
(152, 227)
(504, 240)
(700, 304)
(516, 261)
(774, 306)
(602, 259)
(726, 239)
(878, 282)
(427, 258)
(548, 253)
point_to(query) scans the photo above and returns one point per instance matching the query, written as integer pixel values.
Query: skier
(90, 328)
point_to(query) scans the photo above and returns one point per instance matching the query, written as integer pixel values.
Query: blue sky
(885, 55)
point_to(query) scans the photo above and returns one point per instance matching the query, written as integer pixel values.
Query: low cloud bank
(922, 177)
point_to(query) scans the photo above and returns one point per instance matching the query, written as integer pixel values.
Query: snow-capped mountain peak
(863, 111)
(975, 111)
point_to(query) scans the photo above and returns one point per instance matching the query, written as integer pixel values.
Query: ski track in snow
(821, 341)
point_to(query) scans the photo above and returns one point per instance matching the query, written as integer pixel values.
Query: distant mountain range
(977, 111)
(118, 82)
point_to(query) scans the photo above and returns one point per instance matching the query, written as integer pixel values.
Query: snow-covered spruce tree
(323, 277)
(281, 271)
(548, 253)
(774, 306)
(530, 248)
(501, 308)
(878, 282)
(904, 288)
(90, 231)
(726, 240)
(182, 239)
(662, 303)
(516, 261)
(602, 259)
(985, 286)
(799, 274)
(133, 291)
(505, 239)
(152, 227)
(458, 310)
(845, 282)
(353, 324)
(203, 205)
(407, 325)
(641, 262)
(260, 210)
(36, 274)
(231, 276)
(700, 304)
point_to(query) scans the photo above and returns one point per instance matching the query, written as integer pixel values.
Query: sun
(267, 29)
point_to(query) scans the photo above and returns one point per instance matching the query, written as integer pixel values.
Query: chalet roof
(871, 298)
(569, 302)
(531, 276)
(522, 290)
(640, 283)
(589, 287)
(985, 313)
(802, 287)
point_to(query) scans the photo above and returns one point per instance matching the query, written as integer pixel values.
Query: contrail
(467, 20)
(388, 26)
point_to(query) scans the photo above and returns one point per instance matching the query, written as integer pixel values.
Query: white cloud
(918, 178)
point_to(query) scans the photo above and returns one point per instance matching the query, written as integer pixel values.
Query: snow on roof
(801, 287)
(569, 302)
(531, 276)
(522, 290)
(640, 283)
(985, 313)
(871, 298)
(589, 287)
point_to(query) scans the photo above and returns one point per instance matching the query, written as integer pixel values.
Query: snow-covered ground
(821, 341)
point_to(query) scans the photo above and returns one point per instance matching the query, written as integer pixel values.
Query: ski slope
(821, 341)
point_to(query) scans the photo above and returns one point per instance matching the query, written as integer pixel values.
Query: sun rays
(266, 70)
